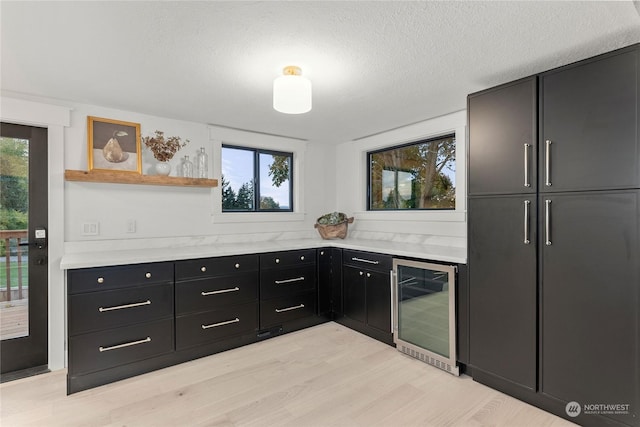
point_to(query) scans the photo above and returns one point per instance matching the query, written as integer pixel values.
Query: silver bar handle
(527, 182)
(297, 279)
(368, 261)
(393, 298)
(527, 204)
(127, 344)
(280, 310)
(221, 291)
(120, 307)
(547, 220)
(547, 163)
(215, 325)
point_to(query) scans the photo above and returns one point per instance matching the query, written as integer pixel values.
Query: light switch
(90, 228)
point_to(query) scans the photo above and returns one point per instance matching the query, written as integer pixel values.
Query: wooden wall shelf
(132, 178)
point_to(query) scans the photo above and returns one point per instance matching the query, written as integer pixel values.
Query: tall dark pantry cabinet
(554, 256)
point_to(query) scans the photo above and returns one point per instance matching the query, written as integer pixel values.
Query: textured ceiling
(374, 65)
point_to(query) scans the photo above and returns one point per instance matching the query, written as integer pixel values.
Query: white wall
(427, 227)
(167, 216)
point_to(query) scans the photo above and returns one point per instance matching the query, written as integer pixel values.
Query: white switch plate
(131, 226)
(90, 228)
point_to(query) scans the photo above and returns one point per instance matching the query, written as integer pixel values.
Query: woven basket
(334, 231)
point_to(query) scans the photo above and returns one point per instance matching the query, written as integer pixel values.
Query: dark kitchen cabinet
(355, 300)
(557, 320)
(367, 293)
(330, 283)
(378, 300)
(216, 299)
(288, 290)
(502, 126)
(589, 125)
(117, 316)
(503, 291)
(590, 264)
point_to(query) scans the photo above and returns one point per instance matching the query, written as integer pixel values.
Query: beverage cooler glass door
(424, 311)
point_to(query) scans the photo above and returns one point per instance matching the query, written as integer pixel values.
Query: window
(255, 180)
(420, 175)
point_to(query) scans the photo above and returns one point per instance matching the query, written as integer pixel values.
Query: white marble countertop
(138, 256)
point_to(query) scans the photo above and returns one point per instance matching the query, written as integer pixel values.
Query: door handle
(527, 182)
(221, 291)
(281, 282)
(295, 307)
(527, 204)
(215, 325)
(547, 221)
(547, 163)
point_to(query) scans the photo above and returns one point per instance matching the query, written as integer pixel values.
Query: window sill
(435, 216)
(249, 217)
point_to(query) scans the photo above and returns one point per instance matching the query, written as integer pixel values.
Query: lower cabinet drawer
(215, 325)
(115, 347)
(277, 311)
(282, 282)
(96, 311)
(216, 292)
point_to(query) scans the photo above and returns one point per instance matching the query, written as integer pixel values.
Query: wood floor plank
(327, 375)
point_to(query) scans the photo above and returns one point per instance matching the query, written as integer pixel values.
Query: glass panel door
(423, 308)
(23, 248)
(14, 256)
(425, 312)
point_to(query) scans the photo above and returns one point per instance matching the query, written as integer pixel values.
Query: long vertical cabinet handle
(547, 222)
(527, 181)
(547, 163)
(392, 283)
(527, 204)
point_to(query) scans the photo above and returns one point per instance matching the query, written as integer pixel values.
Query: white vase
(163, 168)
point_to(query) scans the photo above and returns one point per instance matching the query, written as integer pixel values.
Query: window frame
(256, 178)
(433, 138)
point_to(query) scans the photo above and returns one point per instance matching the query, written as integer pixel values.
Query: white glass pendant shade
(292, 92)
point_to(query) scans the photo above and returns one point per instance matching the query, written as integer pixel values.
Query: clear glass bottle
(187, 168)
(180, 168)
(202, 164)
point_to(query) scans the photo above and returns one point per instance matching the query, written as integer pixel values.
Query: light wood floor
(14, 318)
(323, 376)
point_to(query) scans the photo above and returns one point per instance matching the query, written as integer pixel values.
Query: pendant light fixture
(292, 92)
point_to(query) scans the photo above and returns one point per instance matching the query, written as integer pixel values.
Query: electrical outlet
(90, 228)
(131, 226)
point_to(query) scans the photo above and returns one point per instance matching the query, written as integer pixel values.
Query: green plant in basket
(333, 225)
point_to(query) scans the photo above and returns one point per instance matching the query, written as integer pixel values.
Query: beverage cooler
(424, 304)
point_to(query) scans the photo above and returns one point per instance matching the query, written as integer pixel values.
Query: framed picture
(114, 145)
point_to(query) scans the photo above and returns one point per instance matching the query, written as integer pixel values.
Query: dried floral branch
(163, 149)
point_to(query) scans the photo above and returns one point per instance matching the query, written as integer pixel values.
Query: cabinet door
(502, 139)
(324, 282)
(502, 287)
(354, 293)
(378, 300)
(336, 282)
(590, 306)
(589, 125)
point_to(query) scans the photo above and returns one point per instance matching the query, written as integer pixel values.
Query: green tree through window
(255, 180)
(420, 175)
